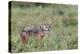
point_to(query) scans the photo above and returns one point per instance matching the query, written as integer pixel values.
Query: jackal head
(46, 26)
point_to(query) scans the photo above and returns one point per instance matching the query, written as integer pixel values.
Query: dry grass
(63, 34)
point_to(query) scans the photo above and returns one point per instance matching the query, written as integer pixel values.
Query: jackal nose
(48, 30)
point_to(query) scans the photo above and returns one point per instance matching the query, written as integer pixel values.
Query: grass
(64, 29)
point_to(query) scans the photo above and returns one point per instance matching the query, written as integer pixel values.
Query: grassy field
(64, 28)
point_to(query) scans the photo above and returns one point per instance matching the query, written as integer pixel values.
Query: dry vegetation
(64, 29)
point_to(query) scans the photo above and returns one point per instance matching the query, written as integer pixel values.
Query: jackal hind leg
(24, 37)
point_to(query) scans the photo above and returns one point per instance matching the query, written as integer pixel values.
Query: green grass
(64, 29)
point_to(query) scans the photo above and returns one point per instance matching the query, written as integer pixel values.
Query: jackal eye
(49, 26)
(46, 27)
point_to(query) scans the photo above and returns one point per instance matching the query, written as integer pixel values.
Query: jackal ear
(50, 22)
